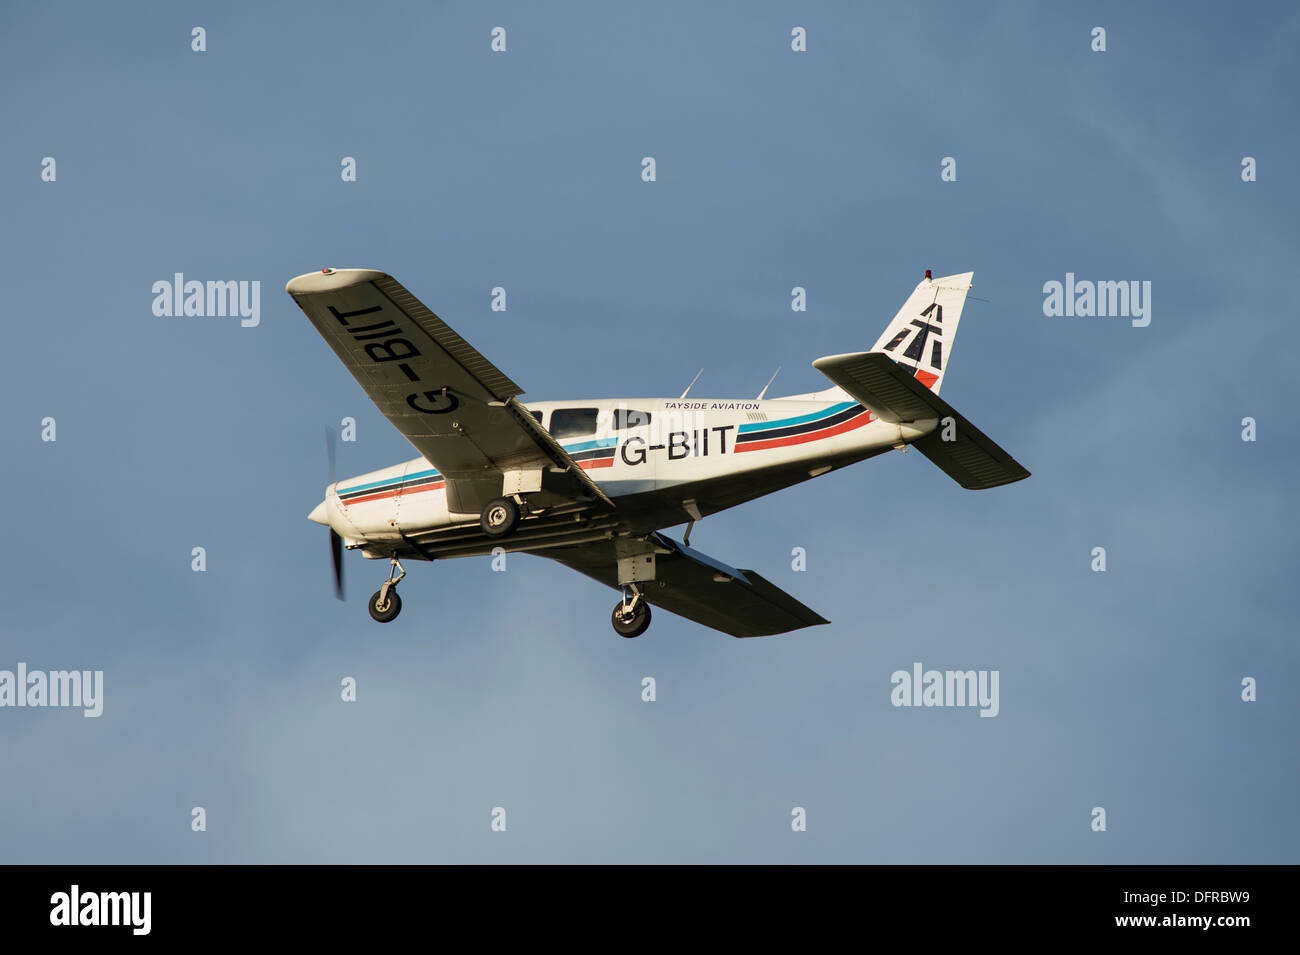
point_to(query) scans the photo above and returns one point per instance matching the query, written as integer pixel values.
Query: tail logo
(921, 331)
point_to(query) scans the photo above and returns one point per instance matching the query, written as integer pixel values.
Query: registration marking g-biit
(378, 351)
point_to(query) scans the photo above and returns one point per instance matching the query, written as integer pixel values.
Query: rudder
(920, 337)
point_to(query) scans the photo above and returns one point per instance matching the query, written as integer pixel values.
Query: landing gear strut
(385, 605)
(631, 615)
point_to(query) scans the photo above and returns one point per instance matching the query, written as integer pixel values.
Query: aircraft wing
(458, 409)
(697, 587)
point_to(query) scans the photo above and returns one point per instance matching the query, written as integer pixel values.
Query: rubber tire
(390, 612)
(640, 620)
(507, 526)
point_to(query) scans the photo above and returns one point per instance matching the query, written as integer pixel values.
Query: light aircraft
(592, 483)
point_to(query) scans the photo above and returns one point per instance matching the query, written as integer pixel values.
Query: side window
(627, 418)
(572, 422)
(537, 415)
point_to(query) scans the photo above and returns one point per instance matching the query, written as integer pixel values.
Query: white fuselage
(715, 452)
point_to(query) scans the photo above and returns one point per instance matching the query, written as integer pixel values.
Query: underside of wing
(691, 584)
(457, 408)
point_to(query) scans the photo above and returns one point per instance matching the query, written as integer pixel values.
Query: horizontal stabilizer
(973, 459)
(892, 394)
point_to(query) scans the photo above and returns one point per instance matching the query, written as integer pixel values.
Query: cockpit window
(627, 418)
(572, 422)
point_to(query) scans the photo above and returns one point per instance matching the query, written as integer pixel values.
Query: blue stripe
(591, 445)
(787, 422)
(386, 482)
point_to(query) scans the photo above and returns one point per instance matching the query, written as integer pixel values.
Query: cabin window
(572, 422)
(537, 415)
(627, 418)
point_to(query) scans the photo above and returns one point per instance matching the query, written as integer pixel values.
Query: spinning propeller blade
(336, 542)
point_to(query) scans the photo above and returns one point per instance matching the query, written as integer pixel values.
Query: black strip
(593, 454)
(403, 485)
(818, 425)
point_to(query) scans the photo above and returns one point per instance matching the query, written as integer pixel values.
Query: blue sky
(775, 169)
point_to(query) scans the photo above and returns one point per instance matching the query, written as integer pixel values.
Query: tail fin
(921, 335)
(899, 379)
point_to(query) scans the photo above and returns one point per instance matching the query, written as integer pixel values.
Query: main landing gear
(385, 605)
(631, 617)
(500, 517)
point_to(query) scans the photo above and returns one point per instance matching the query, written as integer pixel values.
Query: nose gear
(385, 604)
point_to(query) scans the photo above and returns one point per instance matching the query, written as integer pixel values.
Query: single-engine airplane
(592, 483)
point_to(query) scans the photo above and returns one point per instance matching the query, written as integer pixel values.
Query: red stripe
(597, 463)
(855, 422)
(383, 494)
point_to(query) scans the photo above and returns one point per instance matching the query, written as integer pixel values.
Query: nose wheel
(631, 616)
(385, 604)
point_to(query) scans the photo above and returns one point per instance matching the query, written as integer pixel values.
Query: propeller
(336, 542)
